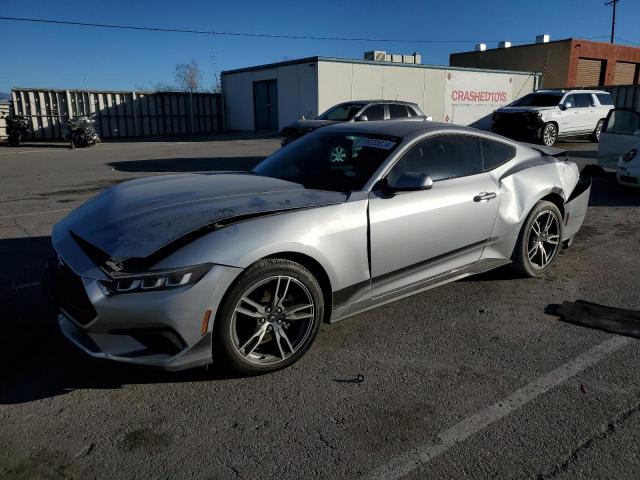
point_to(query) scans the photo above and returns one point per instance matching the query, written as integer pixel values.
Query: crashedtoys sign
(471, 97)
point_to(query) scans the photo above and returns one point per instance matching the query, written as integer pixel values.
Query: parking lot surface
(477, 379)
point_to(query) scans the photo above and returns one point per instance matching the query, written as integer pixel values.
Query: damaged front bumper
(519, 126)
(169, 329)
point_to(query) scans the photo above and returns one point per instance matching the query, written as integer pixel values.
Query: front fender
(335, 236)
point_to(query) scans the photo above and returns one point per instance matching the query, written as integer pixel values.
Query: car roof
(396, 128)
(560, 91)
(363, 102)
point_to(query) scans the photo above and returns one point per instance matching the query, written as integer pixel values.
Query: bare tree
(188, 76)
(162, 87)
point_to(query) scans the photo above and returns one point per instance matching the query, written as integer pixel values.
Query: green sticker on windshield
(338, 155)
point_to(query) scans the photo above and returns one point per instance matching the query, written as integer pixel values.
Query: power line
(243, 34)
(628, 41)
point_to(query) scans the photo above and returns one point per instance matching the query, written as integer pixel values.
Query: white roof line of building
(369, 62)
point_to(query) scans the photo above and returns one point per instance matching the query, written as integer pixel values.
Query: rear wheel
(270, 317)
(15, 138)
(595, 136)
(549, 134)
(539, 241)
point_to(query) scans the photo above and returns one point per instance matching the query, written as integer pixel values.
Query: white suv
(546, 115)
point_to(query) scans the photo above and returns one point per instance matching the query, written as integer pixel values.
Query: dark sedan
(354, 111)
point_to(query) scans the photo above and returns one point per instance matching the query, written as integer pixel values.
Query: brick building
(563, 63)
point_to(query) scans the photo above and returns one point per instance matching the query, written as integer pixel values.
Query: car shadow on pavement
(209, 164)
(37, 362)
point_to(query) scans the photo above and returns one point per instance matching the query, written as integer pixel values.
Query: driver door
(422, 234)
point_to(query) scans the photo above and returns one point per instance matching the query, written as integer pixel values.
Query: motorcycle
(19, 129)
(81, 132)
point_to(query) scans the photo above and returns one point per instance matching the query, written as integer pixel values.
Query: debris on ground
(601, 317)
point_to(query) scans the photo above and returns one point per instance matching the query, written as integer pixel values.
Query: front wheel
(15, 138)
(549, 134)
(270, 317)
(539, 241)
(595, 137)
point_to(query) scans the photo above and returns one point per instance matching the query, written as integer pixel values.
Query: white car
(546, 115)
(620, 145)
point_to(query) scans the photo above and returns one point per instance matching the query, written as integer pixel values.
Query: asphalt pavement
(474, 380)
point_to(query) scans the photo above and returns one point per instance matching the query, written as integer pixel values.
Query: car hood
(523, 109)
(137, 218)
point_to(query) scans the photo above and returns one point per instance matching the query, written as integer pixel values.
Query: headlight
(630, 155)
(154, 280)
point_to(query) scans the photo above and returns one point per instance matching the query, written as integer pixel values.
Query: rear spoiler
(549, 151)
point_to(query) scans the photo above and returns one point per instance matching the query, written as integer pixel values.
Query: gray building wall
(297, 93)
(311, 86)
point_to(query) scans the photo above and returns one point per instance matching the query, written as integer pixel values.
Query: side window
(570, 101)
(582, 100)
(397, 111)
(495, 154)
(442, 157)
(623, 122)
(604, 98)
(375, 112)
(412, 112)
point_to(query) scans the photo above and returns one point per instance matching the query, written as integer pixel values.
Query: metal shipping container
(119, 113)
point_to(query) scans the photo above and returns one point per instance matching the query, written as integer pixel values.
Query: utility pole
(215, 70)
(613, 4)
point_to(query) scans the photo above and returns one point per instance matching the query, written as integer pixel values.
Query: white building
(267, 97)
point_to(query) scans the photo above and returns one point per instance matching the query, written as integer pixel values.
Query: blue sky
(37, 55)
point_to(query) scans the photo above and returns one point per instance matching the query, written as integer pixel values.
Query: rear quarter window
(604, 98)
(495, 154)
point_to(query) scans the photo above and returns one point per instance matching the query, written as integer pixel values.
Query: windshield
(326, 161)
(538, 100)
(341, 113)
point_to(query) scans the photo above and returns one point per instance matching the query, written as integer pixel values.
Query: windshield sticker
(374, 143)
(338, 155)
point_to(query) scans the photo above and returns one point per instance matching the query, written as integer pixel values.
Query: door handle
(484, 196)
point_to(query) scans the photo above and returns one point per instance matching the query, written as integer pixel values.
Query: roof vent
(543, 38)
(504, 44)
(376, 55)
(481, 47)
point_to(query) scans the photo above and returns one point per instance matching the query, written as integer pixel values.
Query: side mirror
(429, 118)
(361, 118)
(411, 182)
(565, 106)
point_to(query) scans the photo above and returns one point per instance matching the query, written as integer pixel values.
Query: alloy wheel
(272, 320)
(544, 240)
(549, 135)
(598, 130)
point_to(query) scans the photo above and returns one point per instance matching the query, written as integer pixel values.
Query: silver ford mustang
(174, 271)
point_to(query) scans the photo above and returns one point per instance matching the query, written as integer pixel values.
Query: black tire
(15, 139)
(227, 339)
(549, 134)
(535, 266)
(79, 140)
(595, 136)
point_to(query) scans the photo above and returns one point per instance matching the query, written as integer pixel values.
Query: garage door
(590, 73)
(624, 73)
